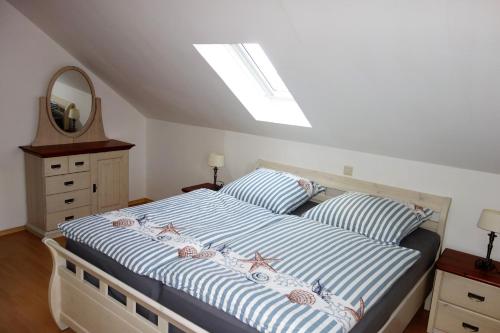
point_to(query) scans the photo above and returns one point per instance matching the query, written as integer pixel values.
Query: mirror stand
(46, 134)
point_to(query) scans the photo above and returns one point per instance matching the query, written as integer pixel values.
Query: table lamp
(73, 116)
(216, 161)
(489, 221)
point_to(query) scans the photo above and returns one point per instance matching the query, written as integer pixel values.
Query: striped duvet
(275, 273)
(204, 214)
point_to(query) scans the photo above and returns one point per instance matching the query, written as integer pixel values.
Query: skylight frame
(258, 72)
(248, 82)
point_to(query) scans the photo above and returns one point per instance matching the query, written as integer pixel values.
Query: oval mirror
(70, 101)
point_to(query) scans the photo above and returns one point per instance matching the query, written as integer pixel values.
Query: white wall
(423, 71)
(177, 155)
(28, 58)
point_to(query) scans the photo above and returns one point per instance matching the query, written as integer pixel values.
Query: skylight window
(252, 78)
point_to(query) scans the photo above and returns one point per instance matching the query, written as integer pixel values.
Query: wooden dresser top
(462, 264)
(76, 148)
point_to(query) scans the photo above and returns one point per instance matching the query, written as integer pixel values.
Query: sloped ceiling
(413, 79)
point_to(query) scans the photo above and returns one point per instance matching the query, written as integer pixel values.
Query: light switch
(348, 170)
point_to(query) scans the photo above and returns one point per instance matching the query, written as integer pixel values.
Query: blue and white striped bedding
(379, 218)
(335, 263)
(278, 191)
(206, 215)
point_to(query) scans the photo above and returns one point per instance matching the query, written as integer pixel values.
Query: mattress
(215, 320)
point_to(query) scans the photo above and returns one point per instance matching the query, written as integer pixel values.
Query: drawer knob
(68, 183)
(69, 201)
(475, 297)
(470, 328)
(55, 166)
(69, 218)
(80, 163)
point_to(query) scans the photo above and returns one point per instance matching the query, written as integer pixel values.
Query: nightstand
(209, 186)
(465, 299)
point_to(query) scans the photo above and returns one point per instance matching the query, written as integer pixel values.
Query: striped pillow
(278, 191)
(381, 219)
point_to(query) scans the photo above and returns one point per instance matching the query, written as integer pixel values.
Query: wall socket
(348, 170)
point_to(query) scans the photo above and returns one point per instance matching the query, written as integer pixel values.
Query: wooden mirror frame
(48, 133)
(49, 94)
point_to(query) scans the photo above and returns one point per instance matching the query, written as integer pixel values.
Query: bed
(92, 296)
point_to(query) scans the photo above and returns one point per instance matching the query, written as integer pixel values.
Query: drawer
(68, 200)
(54, 219)
(55, 166)
(472, 295)
(67, 183)
(453, 319)
(79, 163)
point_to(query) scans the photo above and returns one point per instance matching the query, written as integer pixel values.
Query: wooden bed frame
(78, 304)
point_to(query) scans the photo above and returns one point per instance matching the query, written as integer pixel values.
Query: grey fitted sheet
(215, 320)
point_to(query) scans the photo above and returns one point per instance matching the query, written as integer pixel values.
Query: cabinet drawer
(69, 200)
(472, 295)
(67, 183)
(79, 163)
(453, 319)
(55, 166)
(54, 219)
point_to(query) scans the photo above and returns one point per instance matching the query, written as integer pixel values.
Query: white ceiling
(413, 79)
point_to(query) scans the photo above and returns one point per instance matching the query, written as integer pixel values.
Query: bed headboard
(336, 185)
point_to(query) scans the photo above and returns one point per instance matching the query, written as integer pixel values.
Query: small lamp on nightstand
(216, 161)
(489, 221)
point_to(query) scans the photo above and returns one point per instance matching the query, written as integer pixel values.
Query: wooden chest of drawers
(465, 299)
(63, 188)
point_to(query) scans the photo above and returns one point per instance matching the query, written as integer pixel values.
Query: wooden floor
(25, 267)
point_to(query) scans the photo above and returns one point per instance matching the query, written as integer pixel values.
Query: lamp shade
(216, 160)
(74, 113)
(490, 220)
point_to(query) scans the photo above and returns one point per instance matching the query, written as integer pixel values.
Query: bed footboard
(80, 298)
